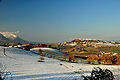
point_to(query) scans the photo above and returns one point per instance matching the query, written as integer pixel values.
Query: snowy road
(24, 65)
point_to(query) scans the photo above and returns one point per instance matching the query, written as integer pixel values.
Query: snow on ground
(24, 65)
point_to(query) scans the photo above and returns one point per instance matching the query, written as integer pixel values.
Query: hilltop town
(89, 46)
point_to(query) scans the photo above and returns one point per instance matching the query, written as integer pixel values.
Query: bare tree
(100, 74)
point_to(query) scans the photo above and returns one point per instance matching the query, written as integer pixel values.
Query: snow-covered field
(24, 65)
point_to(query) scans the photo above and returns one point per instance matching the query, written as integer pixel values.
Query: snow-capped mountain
(11, 37)
(2, 38)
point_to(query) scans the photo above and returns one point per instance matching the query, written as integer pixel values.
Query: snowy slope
(24, 66)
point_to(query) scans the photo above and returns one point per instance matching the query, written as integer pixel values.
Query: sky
(61, 20)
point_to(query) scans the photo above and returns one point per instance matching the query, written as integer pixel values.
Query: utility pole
(4, 51)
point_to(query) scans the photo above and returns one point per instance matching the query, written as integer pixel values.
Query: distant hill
(87, 40)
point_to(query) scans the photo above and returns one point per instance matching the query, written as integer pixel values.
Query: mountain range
(11, 37)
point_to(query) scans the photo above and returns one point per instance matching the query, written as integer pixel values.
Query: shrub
(39, 51)
(99, 74)
(41, 59)
(109, 59)
(71, 58)
(93, 58)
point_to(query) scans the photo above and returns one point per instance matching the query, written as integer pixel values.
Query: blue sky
(61, 20)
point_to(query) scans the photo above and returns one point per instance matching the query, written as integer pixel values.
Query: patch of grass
(110, 49)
